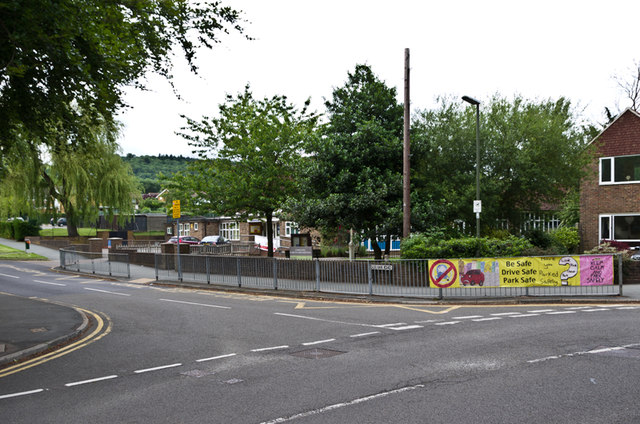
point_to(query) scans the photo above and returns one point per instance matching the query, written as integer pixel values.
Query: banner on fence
(546, 271)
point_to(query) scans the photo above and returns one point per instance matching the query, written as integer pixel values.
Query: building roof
(628, 110)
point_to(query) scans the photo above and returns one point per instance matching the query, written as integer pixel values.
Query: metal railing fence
(402, 278)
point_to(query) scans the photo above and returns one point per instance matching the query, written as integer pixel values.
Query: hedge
(421, 247)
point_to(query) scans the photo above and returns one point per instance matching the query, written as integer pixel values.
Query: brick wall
(619, 139)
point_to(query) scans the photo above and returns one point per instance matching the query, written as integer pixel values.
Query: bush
(22, 229)
(566, 237)
(539, 238)
(421, 247)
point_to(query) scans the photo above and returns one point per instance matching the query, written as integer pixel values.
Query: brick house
(253, 231)
(610, 194)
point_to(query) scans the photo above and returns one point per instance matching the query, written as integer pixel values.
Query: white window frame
(184, 229)
(290, 227)
(612, 161)
(230, 230)
(612, 217)
(195, 226)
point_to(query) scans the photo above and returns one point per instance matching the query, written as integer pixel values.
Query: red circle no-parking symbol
(443, 273)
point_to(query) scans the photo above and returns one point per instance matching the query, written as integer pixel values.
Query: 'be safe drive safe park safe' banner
(547, 271)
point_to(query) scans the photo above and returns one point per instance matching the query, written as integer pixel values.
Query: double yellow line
(103, 327)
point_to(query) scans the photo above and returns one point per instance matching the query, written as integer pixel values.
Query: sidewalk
(29, 326)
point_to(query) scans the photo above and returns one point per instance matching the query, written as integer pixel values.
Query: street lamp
(477, 204)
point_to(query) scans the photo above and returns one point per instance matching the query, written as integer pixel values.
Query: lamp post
(477, 204)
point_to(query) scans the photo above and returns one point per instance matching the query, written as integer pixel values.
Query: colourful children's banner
(547, 271)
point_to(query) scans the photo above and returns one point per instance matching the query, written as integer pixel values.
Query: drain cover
(317, 353)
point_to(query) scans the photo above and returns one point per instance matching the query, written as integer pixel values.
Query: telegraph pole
(406, 165)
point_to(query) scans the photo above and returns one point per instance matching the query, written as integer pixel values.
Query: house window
(290, 228)
(183, 230)
(620, 227)
(620, 170)
(195, 226)
(230, 230)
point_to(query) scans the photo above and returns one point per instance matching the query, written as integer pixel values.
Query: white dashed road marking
(94, 380)
(163, 367)
(196, 304)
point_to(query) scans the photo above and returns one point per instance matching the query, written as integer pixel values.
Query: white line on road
(324, 320)
(594, 310)
(560, 312)
(628, 307)
(47, 282)
(585, 352)
(107, 291)
(406, 327)
(343, 404)
(502, 314)
(30, 392)
(10, 276)
(579, 307)
(318, 342)
(365, 334)
(447, 323)
(265, 349)
(540, 311)
(524, 315)
(390, 325)
(486, 319)
(196, 304)
(94, 380)
(426, 321)
(157, 368)
(469, 317)
(229, 355)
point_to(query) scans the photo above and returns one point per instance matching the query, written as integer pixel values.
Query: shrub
(422, 247)
(566, 237)
(539, 238)
(22, 229)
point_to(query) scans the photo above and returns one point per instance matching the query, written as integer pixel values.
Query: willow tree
(81, 178)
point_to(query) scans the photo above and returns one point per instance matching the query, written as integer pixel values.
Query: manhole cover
(317, 353)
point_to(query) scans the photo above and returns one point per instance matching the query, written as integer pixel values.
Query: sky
(303, 49)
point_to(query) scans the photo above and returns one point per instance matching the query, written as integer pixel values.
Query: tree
(630, 85)
(532, 155)
(353, 177)
(248, 156)
(80, 178)
(64, 64)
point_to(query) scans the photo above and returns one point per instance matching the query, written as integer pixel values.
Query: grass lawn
(62, 232)
(9, 253)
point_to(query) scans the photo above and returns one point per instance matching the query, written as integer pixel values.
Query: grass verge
(11, 254)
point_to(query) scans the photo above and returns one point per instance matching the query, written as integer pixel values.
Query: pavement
(31, 326)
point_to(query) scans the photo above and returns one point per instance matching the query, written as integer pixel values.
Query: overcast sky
(540, 50)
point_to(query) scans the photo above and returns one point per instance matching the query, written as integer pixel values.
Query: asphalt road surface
(170, 355)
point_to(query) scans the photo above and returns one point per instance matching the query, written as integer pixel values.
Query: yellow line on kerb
(94, 336)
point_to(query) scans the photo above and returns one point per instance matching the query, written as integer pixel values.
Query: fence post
(63, 265)
(128, 266)
(239, 272)
(370, 275)
(275, 274)
(317, 274)
(93, 266)
(206, 262)
(620, 274)
(109, 263)
(155, 260)
(440, 295)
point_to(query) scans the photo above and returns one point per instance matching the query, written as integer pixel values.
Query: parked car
(61, 222)
(214, 240)
(184, 240)
(473, 276)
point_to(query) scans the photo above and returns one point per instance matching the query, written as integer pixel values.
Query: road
(172, 355)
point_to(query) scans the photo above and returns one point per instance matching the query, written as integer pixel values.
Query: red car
(184, 240)
(473, 277)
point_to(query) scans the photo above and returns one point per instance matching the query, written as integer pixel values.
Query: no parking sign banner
(545, 271)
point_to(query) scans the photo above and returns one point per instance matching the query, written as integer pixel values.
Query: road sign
(477, 206)
(443, 273)
(176, 209)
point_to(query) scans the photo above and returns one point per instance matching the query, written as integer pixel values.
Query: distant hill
(146, 168)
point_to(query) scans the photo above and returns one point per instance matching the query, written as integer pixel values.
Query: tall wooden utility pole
(406, 165)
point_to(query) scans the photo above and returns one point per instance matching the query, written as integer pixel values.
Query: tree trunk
(72, 226)
(387, 245)
(269, 216)
(377, 252)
